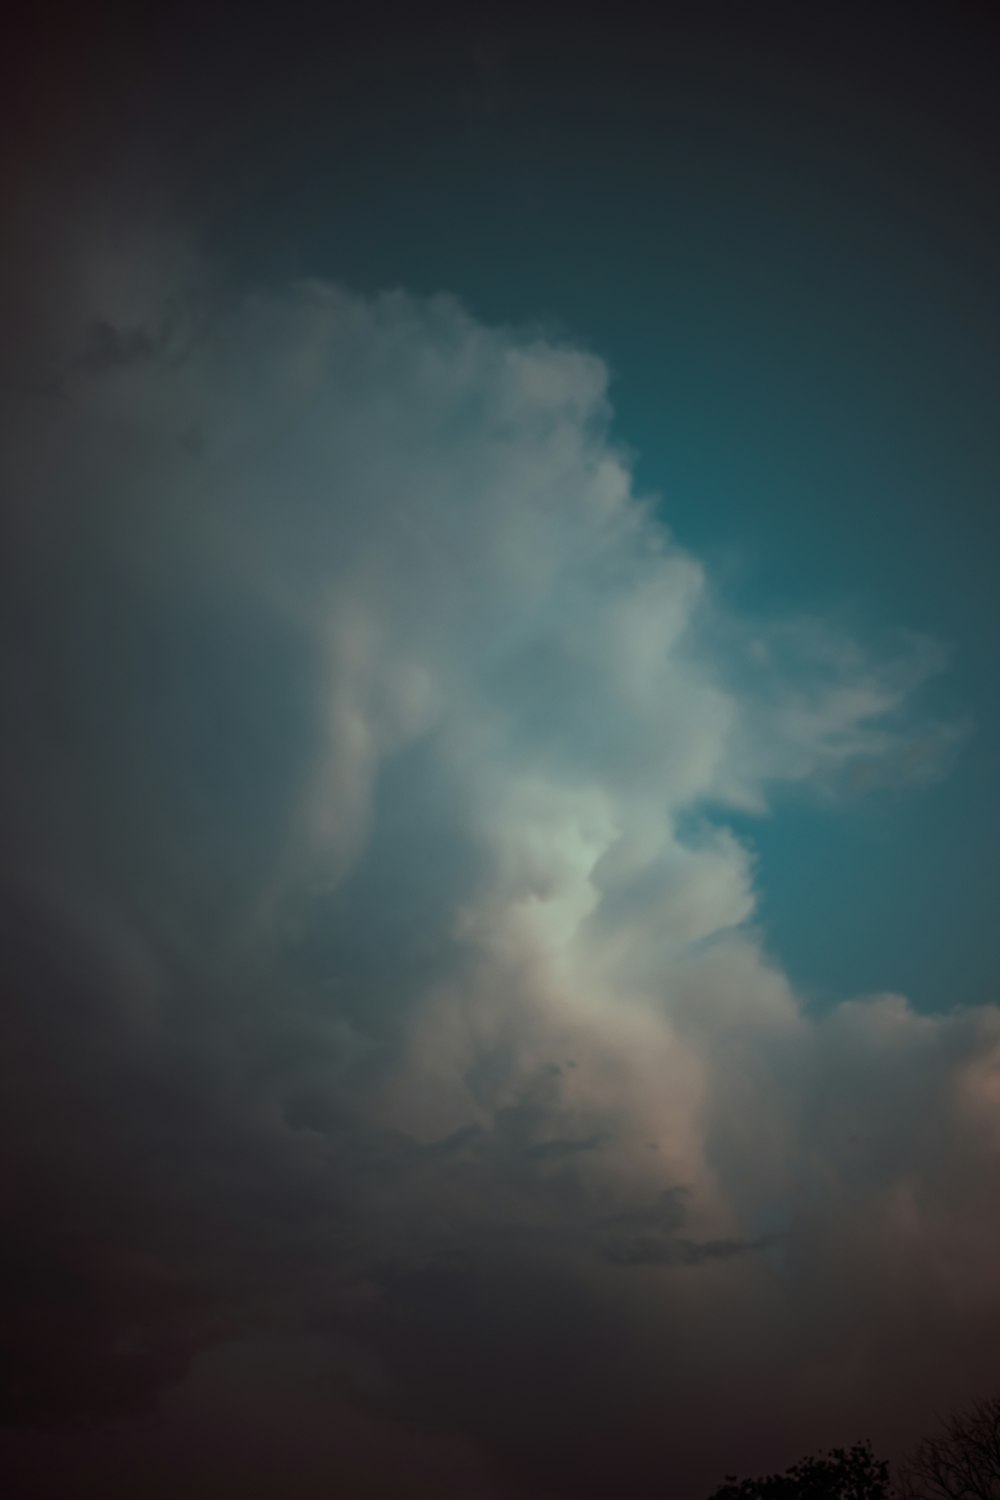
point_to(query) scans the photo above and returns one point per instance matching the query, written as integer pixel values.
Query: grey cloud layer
(381, 970)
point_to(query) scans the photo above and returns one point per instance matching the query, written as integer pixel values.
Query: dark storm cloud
(383, 1018)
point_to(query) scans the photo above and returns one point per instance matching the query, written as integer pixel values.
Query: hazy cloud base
(385, 1027)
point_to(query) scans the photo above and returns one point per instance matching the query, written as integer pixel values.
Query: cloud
(380, 967)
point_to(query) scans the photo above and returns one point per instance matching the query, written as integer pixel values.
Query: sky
(498, 663)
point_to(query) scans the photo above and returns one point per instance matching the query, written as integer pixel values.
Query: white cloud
(399, 730)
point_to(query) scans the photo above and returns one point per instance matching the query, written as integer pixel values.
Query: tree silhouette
(961, 1462)
(843, 1474)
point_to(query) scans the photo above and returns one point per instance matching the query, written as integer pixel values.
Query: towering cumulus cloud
(396, 1092)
